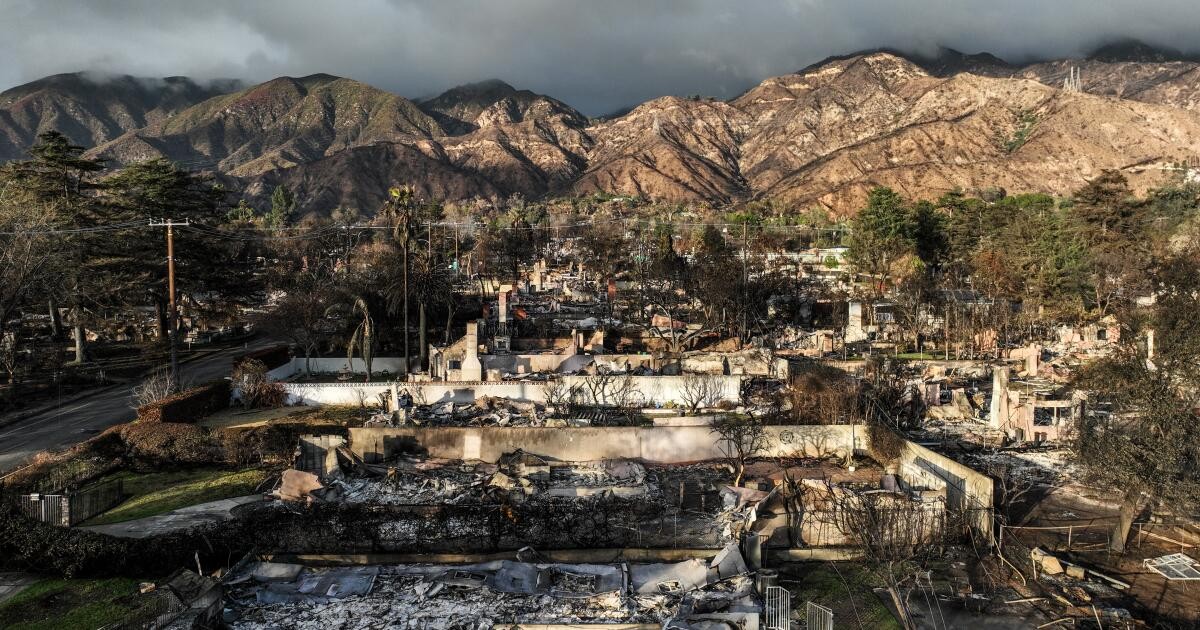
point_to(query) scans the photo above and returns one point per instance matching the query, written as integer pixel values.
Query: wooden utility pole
(745, 288)
(172, 308)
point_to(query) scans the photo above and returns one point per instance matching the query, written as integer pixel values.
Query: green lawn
(918, 356)
(55, 604)
(236, 417)
(161, 492)
(844, 588)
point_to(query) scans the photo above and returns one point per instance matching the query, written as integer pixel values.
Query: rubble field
(480, 596)
(457, 506)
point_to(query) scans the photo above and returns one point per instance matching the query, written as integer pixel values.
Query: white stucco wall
(332, 365)
(654, 390)
(666, 445)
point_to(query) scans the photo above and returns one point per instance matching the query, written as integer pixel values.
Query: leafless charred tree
(624, 392)
(699, 391)
(157, 386)
(792, 496)
(561, 399)
(896, 534)
(301, 316)
(740, 440)
(598, 386)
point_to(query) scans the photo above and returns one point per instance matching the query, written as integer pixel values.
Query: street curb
(19, 418)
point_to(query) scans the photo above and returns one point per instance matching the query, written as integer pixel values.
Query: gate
(47, 508)
(778, 608)
(68, 509)
(819, 617)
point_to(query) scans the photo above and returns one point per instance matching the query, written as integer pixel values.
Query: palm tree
(362, 338)
(400, 209)
(430, 281)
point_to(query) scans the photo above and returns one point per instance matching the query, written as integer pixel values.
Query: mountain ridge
(819, 137)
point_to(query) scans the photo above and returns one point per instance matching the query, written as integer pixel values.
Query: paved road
(76, 422)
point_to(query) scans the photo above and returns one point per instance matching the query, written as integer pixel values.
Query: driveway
(177, 520)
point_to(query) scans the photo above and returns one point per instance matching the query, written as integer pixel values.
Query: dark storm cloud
(595, 54)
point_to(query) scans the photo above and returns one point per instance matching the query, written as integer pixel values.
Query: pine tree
(283, 204)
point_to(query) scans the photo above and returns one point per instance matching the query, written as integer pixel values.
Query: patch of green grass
(846, 589)
(917, 356)
(56, 604)
(331, 415)
(161, 492)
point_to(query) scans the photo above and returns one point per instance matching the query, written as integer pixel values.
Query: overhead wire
(286, 233)
(112, 227)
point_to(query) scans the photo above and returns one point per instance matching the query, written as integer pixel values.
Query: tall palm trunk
(405, 263)
(422, 339)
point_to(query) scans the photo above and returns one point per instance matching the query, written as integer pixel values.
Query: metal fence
(818, 616)
(75, 507)
(778, 609)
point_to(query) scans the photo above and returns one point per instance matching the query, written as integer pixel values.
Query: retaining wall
(654, 390)
(660, 445)
(424, 393)
(331, 365)
(967, 490)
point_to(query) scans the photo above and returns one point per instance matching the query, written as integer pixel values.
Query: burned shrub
(886, 445)
(154, 444)
(271, 444)
(272, 357)
(156, 387)
(255, 388)
(188, 406)
(29, 545)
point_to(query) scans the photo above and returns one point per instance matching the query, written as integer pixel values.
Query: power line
(80, 230)
(285, 233)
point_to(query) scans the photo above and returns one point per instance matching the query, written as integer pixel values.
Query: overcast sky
(598, 55)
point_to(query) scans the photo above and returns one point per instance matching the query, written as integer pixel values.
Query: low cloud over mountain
(596, 56)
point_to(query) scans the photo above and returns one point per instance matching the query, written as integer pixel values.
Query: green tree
(58, 174)
(1148, 447)
(27, 254)
(399, 211)
(508, 245)
(715, 279)
(1111, 223)
(211, 273)
(929, 234)
(881, 234)
(283, 204)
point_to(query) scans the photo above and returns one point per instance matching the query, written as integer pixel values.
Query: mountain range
(819, 137)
